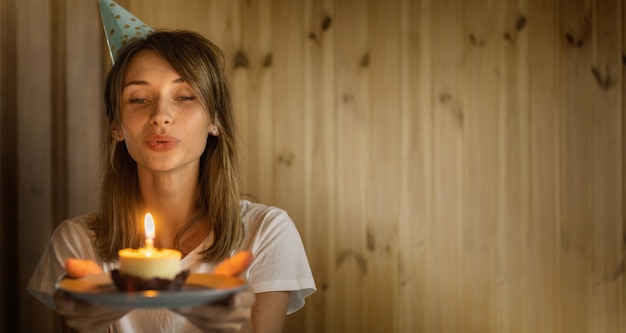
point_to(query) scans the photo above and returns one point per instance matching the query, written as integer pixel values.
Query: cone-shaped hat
(120, 26)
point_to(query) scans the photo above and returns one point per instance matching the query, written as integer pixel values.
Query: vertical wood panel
(85, 114)
(353, 123)
(320, 136)
(513, 204)
(223, 26)
(254, 103)
(576, 176)
(10, 296)
(288, 107)
(545, 117)
(623, 154)
(480, 170)
(385, 164)
(443, 312)
(59, 114)
(415, 297)
(289, 117)
(196, 15)
(608, 170)
(34, 158)
(450, 166)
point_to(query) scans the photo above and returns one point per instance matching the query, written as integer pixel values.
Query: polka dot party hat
(120, 26)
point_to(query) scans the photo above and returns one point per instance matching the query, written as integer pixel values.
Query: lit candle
(148, 262)
(148, 224)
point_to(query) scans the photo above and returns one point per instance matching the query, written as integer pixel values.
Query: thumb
(77, 268)
(234, 265)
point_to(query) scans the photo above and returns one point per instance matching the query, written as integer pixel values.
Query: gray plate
(198, 289)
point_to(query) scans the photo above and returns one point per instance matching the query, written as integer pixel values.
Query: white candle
(148, 224)
(148, 262)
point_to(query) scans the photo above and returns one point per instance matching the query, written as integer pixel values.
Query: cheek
(200, 138)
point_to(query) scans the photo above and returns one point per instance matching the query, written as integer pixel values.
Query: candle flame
(148, 224)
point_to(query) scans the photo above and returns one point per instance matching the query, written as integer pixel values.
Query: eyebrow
(145, 83)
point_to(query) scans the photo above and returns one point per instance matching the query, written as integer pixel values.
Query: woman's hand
(234, 312)
(80, 315)
(84, 316)
(78, 268)
(222, 317)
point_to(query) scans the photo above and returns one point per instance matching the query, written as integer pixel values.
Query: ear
(116, 131)
(214, 130)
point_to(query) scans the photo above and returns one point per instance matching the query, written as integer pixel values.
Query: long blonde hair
(200, 63)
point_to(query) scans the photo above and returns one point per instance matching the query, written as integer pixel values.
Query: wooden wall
(452, 165)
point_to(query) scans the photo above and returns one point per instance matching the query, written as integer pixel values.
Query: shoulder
(74, 234)
(254, 210)
(75, 226)
(268, 227)
(260, 216)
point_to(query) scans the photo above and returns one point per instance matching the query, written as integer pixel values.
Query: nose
(161, 113)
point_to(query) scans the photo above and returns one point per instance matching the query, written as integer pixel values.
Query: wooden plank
(288, 108)
(385, 166)
(9, 294)
(167, 14)
(253, 91)
(443, 310)
(85, 120)
(576, 178)
(546, 115)
(58, 103)
(352, 84)
(513, 182)
(289, 145)
(623, 152)
(607, 302)
(416, 223)
(34, 181)
(224, 20)
(481, 167)
(320, 161)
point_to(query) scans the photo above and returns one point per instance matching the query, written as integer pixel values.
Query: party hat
(120, 26)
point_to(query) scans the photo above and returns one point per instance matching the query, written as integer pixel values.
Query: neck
(170, 198)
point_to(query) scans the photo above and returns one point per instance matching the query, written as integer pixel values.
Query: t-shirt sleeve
(280, 262)
(69, 240)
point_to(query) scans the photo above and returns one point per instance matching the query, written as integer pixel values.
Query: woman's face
(163, 121)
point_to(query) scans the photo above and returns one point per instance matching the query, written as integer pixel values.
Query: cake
(149, 269)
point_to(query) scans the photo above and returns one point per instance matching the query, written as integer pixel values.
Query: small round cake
(149, 269)
(147, 264)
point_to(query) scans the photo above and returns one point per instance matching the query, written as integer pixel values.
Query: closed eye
(139, 101)
(186, 98)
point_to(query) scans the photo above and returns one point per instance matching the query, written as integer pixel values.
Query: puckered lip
(161, 142)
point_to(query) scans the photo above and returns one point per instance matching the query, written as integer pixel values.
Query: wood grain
(576, 171)
(386, 162)
(415, 253)
(320, 161)
(34, 152)
(481, 171)
(443, 307)
(352, 148)
(607, 170)
(546, 114)
(451, 165)
(514, 165)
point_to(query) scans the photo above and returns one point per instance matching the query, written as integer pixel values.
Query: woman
(172, 152)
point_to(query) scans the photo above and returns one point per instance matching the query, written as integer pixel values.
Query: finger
(244, 298)
(77, 268)
(84, 315)
(234, 265)
(216, 318)
(63, 301)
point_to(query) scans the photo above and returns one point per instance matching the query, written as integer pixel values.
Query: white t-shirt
(280, 264)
